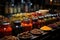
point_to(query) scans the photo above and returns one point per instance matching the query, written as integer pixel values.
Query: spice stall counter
(51, 35)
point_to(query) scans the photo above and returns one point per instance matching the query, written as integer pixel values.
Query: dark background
(40, 2)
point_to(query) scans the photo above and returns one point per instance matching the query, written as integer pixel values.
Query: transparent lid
(17, 21)
(41, 17)
(26, 19)
(35, 18)
(5, 23)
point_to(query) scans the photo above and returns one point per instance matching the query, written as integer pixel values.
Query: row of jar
(34, 21)
(17, 26)
(32, 16)
(32, 33)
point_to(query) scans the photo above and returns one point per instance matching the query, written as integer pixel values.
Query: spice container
(15, 9)
(34, 14)
(10, 38)
(24, 36)
(27, 24)
(41, 20)
(39, 13)
(47, 19)
(46, 28)
(6, 28)
(53, 18)
(35, 23)
(53, 25)
(19, 8)
(17, 28)
(36, 32)
(11, 8)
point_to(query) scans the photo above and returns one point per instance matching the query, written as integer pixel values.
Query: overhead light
(51, 0)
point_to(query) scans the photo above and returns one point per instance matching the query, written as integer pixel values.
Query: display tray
(48, 35)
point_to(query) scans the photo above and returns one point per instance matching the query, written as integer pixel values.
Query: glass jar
(35, 24)
(15, 9)
(6, 28)
(11, 8)
(17, 28)
(19, 8)
(41, 20)
(27, 24)
(54, 18)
